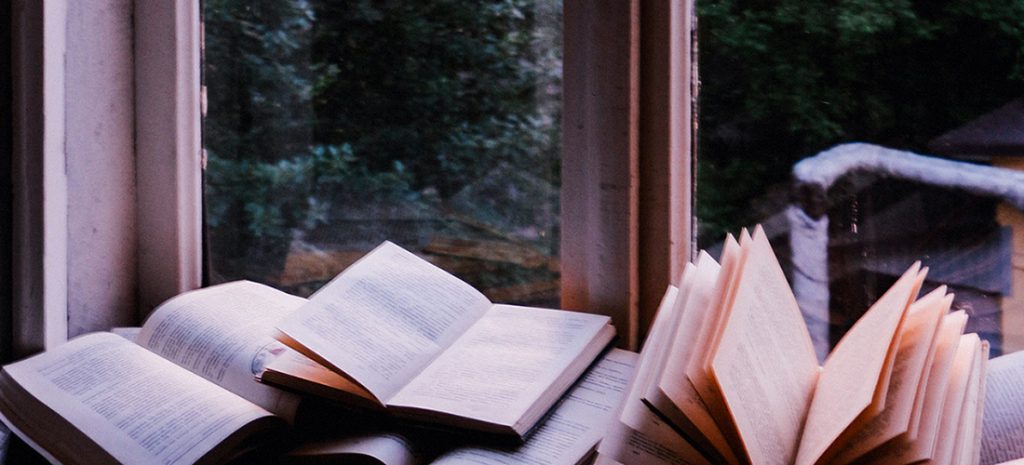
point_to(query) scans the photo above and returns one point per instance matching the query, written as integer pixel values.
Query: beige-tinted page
(975, 455)
(137, 406)
(503, 363)
(700, 377)
(730, 263)
(1003, 422)
(765, 363)
(918, 330)
(388, 448)
(729, 297)
(656, 342)
(666, 319)
(224, 334)
(912, 449)
(654, 355)
(852, 371)
(573, 429)
(641, 438)
(922, 385)
(385, 318)
(966, 451)
(673, 383)
(637, 436)
(956, 397)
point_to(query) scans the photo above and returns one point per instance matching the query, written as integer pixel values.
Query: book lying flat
(568, 436)
(429, 347)
(734, 371)
(1003, 425)
(184, 393)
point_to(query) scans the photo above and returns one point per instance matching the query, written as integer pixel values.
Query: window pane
(930, 89)
(335, 125)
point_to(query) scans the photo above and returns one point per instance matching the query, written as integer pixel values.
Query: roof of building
(996, 133)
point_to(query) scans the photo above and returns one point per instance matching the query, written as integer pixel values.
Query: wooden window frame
(106, 163)
(626, 163)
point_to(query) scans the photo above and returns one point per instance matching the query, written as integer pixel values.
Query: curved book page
(765, 364)
(383, 319)
(224, 333)
(133, 404)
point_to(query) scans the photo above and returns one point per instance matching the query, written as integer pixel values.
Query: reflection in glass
(864, 138)
(332, 126)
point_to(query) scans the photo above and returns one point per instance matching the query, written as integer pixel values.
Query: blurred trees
(785, 79)
(312, 98)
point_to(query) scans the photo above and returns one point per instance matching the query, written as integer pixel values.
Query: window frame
(626, 162)
(95, 243)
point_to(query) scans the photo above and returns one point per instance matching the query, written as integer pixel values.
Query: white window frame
(626, 161)
(71, 276)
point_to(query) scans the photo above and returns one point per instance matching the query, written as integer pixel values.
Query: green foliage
(785, 79)
(274, 197)
(309, 98)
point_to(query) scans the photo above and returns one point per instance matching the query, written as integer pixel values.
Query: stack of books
(397, 362)
(392, 335)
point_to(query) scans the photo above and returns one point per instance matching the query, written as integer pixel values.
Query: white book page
(224, 334)
(139, 407)
(1002, 436)
(500, 367)
(385, 318)
(575, 426)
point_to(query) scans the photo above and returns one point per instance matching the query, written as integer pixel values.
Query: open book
(429, 347)
(185, 393)
(568, 436)
(733, 370)
(1002, 439)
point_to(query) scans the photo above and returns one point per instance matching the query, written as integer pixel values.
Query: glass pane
(335, 125)
(866, 135)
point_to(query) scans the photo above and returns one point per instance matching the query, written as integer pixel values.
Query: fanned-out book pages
(854, 376)
(764, 363)
(956, 396)
(1002, 437)
(919, 332)
(968, 445)
(638, 436)
(671, 393)
(918, 446)
(697, 371)
(668, 318)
